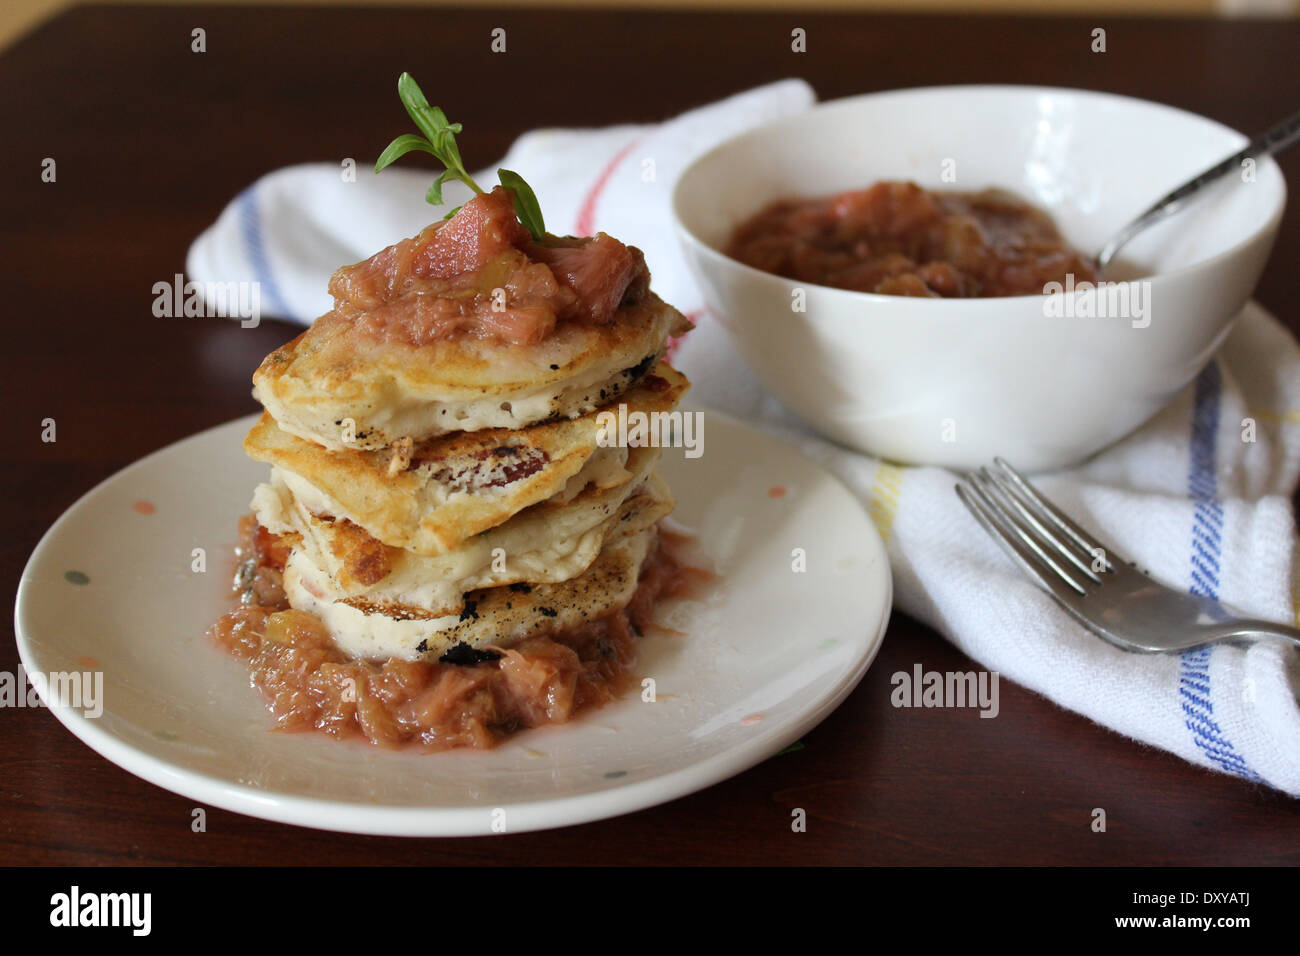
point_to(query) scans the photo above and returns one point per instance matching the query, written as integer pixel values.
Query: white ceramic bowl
(956, 381)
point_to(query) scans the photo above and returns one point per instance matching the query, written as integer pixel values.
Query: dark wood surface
(152, 140)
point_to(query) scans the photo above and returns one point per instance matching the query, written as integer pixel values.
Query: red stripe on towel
(586, 223)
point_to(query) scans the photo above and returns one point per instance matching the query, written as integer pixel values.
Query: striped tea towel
(1200, 495)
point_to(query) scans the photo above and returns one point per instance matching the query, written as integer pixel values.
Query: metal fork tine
(1058, 517)
(1066, 546)
(993, 496)
(1018, 544)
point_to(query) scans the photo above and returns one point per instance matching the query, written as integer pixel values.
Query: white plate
(768, 652)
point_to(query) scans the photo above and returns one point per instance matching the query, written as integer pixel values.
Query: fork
(1105, 593)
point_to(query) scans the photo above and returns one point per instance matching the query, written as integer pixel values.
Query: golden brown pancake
(456, 486)
(341, 390)
(551, 541)
(496, 617)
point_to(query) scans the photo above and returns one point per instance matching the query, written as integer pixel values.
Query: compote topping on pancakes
(481, 274)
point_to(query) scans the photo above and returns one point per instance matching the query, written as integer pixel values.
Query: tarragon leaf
(437, 137)
(400, 147)
(527, 208)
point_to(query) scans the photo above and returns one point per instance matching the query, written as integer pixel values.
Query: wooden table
(151, 140)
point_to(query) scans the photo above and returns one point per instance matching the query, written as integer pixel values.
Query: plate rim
(426, 822)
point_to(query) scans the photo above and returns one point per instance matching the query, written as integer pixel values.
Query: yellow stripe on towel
(886, 489)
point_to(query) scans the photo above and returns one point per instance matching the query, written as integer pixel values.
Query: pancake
(548, 542)
(330, 384)
(495, 617)
(459, 485)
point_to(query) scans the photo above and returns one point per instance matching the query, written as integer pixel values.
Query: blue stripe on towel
(1207, 527)
(250, 226)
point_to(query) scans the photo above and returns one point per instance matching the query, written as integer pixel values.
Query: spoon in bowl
(1276, 139)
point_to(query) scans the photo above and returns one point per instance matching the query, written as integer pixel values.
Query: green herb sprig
(437, 137)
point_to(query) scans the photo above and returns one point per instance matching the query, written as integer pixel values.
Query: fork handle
(1254, 630)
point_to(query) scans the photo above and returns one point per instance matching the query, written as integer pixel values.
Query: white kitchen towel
(1200, 495)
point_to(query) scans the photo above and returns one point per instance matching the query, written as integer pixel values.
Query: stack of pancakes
(459, 494)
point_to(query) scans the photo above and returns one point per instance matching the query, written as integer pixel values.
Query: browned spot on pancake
(365, 560)
(398, 612)
(490, 467)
